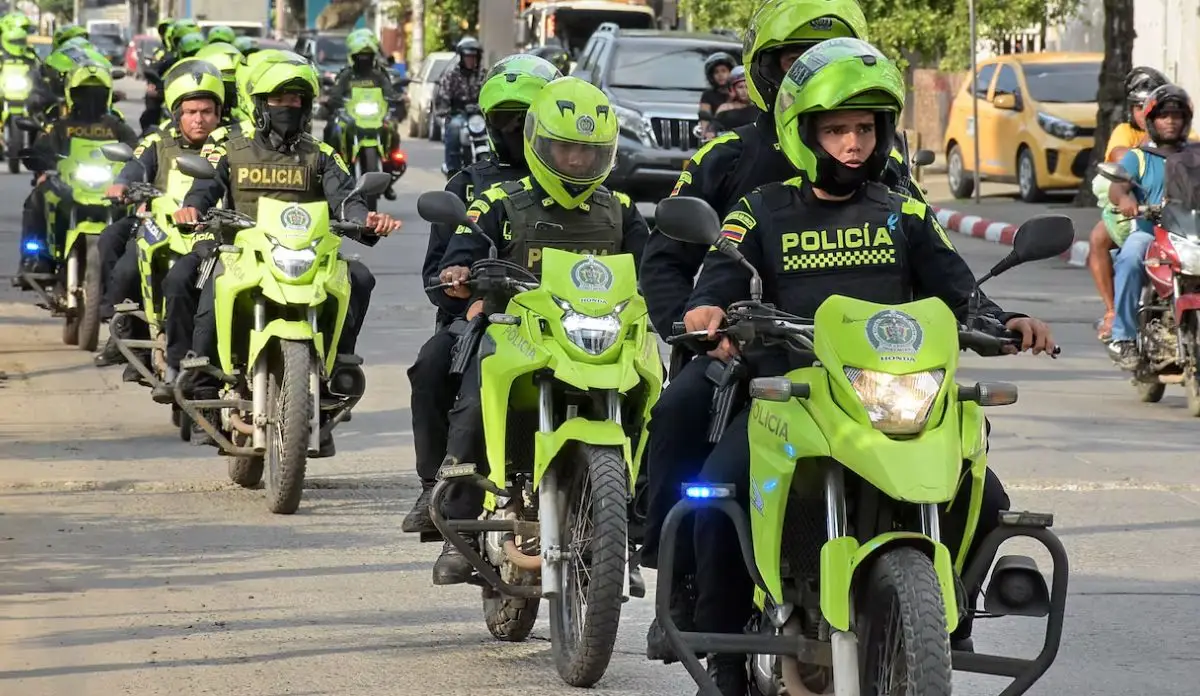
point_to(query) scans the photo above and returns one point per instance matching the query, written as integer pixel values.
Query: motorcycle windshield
(88, 171)
(1182, 221)
(295, 226)
(14, 79)
(367, 107)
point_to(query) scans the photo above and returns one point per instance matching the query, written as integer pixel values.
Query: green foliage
(444, 23)
(922, 32)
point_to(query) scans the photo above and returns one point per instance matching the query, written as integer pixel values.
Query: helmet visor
(506, 120)
(572, 161)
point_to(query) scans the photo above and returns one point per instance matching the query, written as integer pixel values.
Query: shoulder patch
(742, 218)
(623, 199)
(337, 159)
(685, 178)
(215, 154)
(707, 147)
(493, 194)
(911, 206)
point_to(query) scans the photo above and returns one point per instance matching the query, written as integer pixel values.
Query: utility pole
(417, 52)
(974, 97)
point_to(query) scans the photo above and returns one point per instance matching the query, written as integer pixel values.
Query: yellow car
(1037, 123)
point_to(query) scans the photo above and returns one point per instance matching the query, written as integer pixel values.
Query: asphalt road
(131, 565)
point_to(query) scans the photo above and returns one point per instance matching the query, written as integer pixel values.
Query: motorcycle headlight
(1188, 253)
(16, 83)
(593, 334)
(365, 109)
(896, 404)
(293, 263)
(93, 174)
(476, 124)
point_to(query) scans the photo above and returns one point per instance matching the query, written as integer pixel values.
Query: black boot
(164, 392)
(637, 584)
(110, 354)
(418, 519)
(390, 194)
(729, 672)
(683, 608)
(452, 568)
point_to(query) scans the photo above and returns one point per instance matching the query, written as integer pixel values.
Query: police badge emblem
(585, 125)
(590, 275)
(295, 218)
(892, 331)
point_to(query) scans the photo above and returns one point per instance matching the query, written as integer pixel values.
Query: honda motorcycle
(850, 461)
(1168, 318)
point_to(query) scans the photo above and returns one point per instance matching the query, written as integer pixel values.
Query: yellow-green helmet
(89, 76)
(178, 29)
(66, 32)
(193, 78)
(570, 139)
(224, 57)
(286, 73)
(361, 41)
(221, 34)
(14, 37)
(189, 45)
(837, 75)
(514, 81)
(244, 109)
(246, 45)
(792, 23)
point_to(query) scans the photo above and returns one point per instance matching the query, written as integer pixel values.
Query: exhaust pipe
(347, 381)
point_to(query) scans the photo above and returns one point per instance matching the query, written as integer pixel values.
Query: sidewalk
(999, 213)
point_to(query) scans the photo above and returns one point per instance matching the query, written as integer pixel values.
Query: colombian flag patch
(734, 233)
(473, 215)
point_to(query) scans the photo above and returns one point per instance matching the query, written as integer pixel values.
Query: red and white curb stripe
(999, 233)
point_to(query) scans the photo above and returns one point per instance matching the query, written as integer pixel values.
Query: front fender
(84, 227)
(603, 433)
(284, 330)
(842, 557)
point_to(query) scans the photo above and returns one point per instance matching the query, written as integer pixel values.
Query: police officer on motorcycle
(835, 118)
(507, 92)
(458, 87)
(164, 59)
(570, 141)
(282, 95)
(89, 116)
(194, 92)
(362, 49)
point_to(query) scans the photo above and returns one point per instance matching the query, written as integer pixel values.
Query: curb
(1000, 233)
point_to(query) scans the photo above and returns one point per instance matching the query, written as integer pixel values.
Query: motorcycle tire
(509, 619)
(902, 587)
(1150, 392)
(1192, 386)
(185, 426)
(89, 303)
(582, 662)
(368, 161)
(289, 406)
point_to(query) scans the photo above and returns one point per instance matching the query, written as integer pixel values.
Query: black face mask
(363, 63)
(89, 102)
(286, 121)
(838, 179)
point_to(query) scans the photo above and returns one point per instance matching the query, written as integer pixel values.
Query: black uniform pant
(33, 217)
(116, 243)
(153, 114)
(433, 392)
(181, 297)
(675, 451)
(465, 444)
(203, 334)
(724, 589)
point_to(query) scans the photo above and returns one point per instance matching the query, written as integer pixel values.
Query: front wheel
(1027, 182)
(585, 616)
(368, 161)
(961, 185)
(1152, 392)
(905, 648)
(89, 300)
(289, 406)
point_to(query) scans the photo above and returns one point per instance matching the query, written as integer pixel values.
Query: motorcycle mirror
(1114, 173)
(118, 95)
(923, 158)
(117, 152)
(1040, 237)
(443, 207)
(26, 124)
(689, 220)
(195, 166)
(117, 73)
(374, 183)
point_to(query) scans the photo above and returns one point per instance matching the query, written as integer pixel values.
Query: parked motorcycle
(283, 285)
(850, 460)
(569, 369)
(71, 288)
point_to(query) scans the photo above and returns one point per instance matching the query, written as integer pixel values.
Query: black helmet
(557, 56)
(468, 45)
(711, 63)
(1160, 97)
(1140, 82)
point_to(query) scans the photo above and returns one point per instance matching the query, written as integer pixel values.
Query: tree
(1118, 61)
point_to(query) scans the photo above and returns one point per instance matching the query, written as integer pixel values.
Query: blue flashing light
(770, 485)
(33, 246)
(700, 492)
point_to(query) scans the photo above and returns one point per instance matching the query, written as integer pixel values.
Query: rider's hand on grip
(187, 216)
(457, 276)
(116, 191)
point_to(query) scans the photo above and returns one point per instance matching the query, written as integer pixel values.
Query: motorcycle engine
(1158, 341)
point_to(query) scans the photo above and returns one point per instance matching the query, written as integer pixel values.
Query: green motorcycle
(284, 382)
(73, 288)
(160, 242)
(362, 133)
(570, 369)
(850, 459)
(17, 85)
